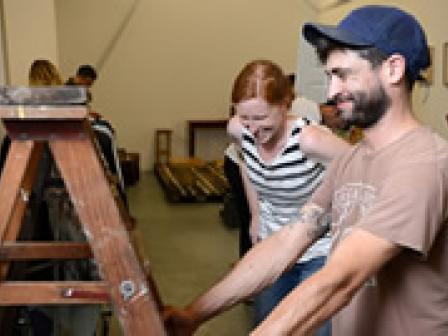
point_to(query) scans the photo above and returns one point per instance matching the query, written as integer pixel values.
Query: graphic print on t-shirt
(352, 199)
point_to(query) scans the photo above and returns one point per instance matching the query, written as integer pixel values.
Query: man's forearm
(358, 257)
(261, 266)
(306, 308)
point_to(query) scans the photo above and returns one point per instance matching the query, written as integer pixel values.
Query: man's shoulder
(423, 156)
(427, 144)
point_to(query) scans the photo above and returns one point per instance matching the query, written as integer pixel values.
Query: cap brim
(312, 32)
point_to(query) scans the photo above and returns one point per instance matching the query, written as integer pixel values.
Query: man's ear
(395, 68)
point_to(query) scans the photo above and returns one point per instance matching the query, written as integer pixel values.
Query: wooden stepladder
(65, 129)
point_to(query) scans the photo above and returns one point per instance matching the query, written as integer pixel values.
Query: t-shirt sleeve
(409, 208)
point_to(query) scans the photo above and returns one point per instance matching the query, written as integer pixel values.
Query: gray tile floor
(189, 249)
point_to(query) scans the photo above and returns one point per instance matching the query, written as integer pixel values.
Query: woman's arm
(321, 144)
(252, 200)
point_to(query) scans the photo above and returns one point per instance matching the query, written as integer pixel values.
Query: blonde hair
(44, 73)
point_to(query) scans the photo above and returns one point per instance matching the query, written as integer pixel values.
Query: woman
(44, 73)
(283, 164)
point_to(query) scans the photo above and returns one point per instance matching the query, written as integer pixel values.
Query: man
(85, 75)
(388, 197)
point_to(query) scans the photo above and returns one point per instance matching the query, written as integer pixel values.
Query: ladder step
(19, 293)
(14, 251)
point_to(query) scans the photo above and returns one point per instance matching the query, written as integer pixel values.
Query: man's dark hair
(374, 56)
(87, 71)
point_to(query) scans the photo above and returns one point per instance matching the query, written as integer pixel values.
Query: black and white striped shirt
(284, 184)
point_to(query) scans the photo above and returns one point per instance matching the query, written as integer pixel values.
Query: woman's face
(263, 120)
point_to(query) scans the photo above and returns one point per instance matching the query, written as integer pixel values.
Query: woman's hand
(235, 128)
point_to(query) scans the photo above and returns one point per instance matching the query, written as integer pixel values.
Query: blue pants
(266, 301)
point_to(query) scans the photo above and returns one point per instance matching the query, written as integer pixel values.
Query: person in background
(86, 75)
(41, 73)
(105, 134)
(282, 164)
(44, 73)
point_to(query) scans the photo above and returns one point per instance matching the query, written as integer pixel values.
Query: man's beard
(367, 109)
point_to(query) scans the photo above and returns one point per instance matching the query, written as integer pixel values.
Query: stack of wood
(192, 180)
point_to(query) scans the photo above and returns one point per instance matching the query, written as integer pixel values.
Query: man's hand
(178, 322)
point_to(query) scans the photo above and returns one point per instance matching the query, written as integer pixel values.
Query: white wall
(174, 60)
(3, 55)
(164, 62)
(432, 15)
(30, 29)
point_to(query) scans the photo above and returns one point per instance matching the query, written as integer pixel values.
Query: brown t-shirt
(399, 193)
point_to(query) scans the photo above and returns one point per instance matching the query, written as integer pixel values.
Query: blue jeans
(266, 301)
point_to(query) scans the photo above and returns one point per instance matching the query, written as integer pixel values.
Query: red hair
(263, 79)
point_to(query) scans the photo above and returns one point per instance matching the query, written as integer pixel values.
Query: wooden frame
(445, 63)
(193, 125)
(126, 281)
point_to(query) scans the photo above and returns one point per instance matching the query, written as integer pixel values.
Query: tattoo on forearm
(315, 219)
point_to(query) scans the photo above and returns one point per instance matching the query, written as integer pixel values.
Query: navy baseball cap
(389, 29)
